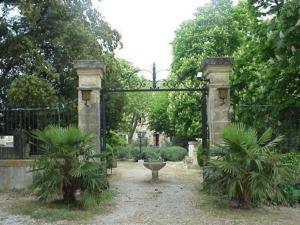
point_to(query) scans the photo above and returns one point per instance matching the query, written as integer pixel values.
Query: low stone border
(14, 174)
(16, 162)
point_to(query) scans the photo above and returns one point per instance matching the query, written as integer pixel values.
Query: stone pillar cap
(89, 64)
(216, 61)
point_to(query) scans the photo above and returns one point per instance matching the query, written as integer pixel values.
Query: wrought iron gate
(168, 86)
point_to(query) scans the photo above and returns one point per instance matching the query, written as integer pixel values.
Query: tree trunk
(244, 200)
(69, 193)
(132, 130)
(68, 188)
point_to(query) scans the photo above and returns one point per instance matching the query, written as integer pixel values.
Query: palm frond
(66, 165)
(247, 169)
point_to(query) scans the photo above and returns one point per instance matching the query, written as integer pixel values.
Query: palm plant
(67, 164)
(246, 167)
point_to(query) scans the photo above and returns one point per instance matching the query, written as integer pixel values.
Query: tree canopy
(158, 115)
(263, 37)
(31, 91)
(44, 37)
(136, 104)
(217, 30)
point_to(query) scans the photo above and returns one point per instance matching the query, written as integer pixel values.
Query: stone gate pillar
(90, 73)
(217, 70)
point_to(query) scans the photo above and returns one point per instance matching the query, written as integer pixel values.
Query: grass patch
(57, 211)
(210, 201)
(216, 208)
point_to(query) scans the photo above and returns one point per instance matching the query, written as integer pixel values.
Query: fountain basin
(154, 167)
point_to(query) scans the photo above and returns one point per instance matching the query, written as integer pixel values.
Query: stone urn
(154, 167)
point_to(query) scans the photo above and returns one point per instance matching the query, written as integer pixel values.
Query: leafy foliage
(218, 29)
(267, 7)
(292, 182)
(147, 154)
(31, 91)
(136, 111)
(67, 164)
(110, 156)
(45, 37)
(247, 169)
(114, 139)
(262, 36)
(174, 153)
(136, 105)
(265, 64)
(200, 156)
(124, 152)
(159, 120)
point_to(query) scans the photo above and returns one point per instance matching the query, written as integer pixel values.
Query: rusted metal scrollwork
(170, 83)
(135, 84)
(139, 84)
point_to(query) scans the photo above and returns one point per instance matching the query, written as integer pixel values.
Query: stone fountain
(154, 167)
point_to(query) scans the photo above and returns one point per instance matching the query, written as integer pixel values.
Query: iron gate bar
(154, 90)
(204, 91)
(205, 130)
(102, 121)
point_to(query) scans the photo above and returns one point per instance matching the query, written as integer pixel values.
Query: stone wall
(15, 175)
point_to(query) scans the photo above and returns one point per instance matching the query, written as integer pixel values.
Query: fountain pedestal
(154, 167)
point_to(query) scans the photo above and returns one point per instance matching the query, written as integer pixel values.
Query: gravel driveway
(176, 199)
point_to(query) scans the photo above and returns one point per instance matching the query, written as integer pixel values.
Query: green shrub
(28, 91)
(67, 164)
(200, 155)
(136, 154)
(144, 142)
(110, 156)
(124, 152)
(179, 141)
(152, 154)
(292, 182)
(247, 170)
(174, 153)
(115, 139)
(147, 154)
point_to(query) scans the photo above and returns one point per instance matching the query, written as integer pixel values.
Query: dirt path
(175, 199)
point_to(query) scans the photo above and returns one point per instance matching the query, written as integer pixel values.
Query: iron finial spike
(154, 76)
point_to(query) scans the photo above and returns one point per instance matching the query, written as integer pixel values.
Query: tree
(136, 104)
(267, 7)
(68, 164)
(263, 78)
(185, 113)
(31, 91)
(265, 65)
(45, 37)
(136, 112)
(217, 30)
(158, 117)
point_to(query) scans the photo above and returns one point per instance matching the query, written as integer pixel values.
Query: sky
(147, 28)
